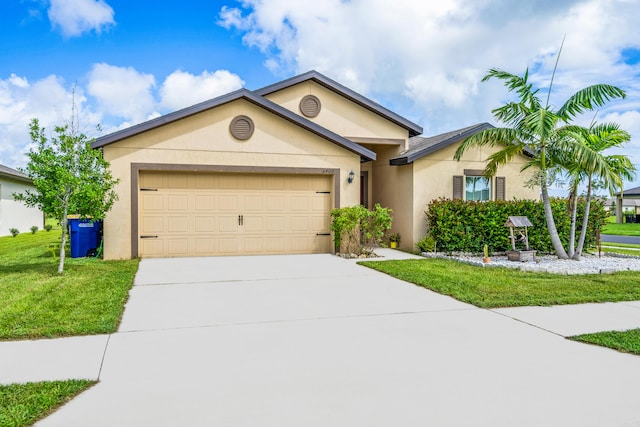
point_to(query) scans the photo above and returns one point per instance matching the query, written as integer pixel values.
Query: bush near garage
(466, 226)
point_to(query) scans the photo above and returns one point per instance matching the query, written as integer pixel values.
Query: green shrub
(48, 227)
(34, 229)
(357, 229)
(14, 231)
(466, 226)
(426, 244)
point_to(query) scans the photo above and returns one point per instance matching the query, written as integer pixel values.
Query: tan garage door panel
(200, 214)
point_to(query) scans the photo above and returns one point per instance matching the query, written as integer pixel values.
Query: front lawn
(24, 404)
(504, 287)
(37, 302)
(625, 341)
(621, 229)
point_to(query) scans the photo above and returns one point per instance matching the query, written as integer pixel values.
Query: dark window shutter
(458, 186)
(500, 184)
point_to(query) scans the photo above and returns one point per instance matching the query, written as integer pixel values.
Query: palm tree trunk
(585, 223)
(551, 224)
(573, 204)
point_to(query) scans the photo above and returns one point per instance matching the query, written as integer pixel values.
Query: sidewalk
(570, 320)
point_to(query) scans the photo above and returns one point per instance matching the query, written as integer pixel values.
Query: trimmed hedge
(466, 226)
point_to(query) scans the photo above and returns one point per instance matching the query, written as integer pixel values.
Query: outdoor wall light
(352, 176)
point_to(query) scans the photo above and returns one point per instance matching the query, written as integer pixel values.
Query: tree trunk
(573, 204)
(585, 223)
(551, 225)
(63, 240)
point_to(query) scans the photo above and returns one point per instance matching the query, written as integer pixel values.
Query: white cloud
(425, 59)
(49, 100)
(181, 89)
(122, 91)
(75, 17)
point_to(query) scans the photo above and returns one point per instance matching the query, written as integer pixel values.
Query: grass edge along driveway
(624, 341)
(88, 298)
(24, 404)
(503, 287)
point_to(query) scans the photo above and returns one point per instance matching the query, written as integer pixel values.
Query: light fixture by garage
(352, 176)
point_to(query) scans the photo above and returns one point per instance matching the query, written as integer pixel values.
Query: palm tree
(536, 129)
(590, 164)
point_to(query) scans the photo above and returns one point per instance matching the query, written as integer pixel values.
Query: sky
(123, 62)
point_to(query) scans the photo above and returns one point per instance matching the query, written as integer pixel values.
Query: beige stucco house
(14, 214)
(258, 172)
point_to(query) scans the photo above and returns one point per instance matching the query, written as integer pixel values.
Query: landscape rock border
(589, 264)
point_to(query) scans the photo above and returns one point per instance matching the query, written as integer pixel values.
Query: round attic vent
(241, 128)
(310, 106)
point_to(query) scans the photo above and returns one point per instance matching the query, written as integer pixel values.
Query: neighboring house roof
(224, 99)
(7, 172)
(630, 192)
(344, 91)
(420, 146)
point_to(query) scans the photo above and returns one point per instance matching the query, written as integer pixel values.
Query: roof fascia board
(225, 99)
(344, 91)
(13, 177)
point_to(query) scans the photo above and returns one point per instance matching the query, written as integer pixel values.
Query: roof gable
(225, 99)
(420, 147)
(347, 93)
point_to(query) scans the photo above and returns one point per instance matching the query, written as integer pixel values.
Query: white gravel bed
(588, 264)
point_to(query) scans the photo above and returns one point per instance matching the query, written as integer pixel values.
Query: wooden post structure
(519, 222)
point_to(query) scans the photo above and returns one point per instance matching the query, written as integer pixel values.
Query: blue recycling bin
(84, 235)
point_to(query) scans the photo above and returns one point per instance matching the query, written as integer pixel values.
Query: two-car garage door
(203, 214)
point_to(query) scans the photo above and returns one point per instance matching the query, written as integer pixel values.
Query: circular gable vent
(310, 106)
(241, 128)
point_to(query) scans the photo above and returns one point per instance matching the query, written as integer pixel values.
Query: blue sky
(134, 60)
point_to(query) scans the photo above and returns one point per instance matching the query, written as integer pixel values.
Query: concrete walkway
(317, 340)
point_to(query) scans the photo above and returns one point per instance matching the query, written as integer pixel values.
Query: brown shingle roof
(420, 146)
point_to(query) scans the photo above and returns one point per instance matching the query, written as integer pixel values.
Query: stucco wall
(16, 214)
(433, 178)
(393, 187)
(204, 139)
(338, 114)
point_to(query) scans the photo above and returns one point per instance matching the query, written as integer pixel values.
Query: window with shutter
(500, 188)
(458, 187)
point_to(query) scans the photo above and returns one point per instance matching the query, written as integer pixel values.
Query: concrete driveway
(316, 340)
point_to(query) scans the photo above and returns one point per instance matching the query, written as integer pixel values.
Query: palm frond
(541, 122)
(502, 157)
(589, 98)
(518, 84)
(489, 137)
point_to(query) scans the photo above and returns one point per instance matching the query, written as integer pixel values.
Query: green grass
(621, 251)
(620, 245)
(625, 341)
(37, 302)
(503, 287)
(621, 229)
(24, 404)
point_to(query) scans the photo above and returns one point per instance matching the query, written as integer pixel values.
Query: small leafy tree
(359, 230)
(69, 178)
